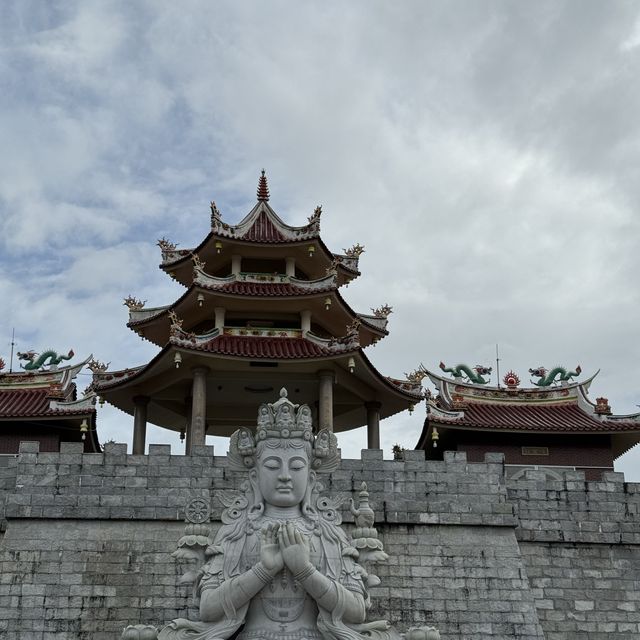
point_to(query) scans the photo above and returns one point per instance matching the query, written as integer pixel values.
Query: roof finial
(263, 189)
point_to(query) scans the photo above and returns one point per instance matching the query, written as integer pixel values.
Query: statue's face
(283, 476)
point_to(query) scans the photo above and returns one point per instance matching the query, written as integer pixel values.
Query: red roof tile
(263, 230)
(263, 347)
(25, 403)
(557, 418)
(273, 289)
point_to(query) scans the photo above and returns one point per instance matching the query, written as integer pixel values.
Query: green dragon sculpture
(473, 374)
(547, 378)
(39, 361)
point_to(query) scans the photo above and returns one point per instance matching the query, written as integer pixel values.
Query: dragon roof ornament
(355, 251)
(198, 263)
(36, 361)
(95, 366)
(166, 246)
(557, 375)
(417, 375)
(382, 312)
(216, 218)
(473, 374)
(314, 219)
(351, 339)
(134, 304)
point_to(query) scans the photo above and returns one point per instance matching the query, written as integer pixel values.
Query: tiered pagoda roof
(262, 301)
(44, 402)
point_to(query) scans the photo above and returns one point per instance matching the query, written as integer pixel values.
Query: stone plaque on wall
(535, 451)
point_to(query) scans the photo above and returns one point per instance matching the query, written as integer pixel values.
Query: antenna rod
(13, 344)
(498, 365)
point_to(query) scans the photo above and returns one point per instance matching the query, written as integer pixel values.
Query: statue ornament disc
(281, 567)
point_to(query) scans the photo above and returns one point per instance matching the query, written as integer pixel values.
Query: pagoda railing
(254, 276)
(263, 332)
(320, 284)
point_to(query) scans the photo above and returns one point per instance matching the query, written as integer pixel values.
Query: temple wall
(86, 543)
(580, 542)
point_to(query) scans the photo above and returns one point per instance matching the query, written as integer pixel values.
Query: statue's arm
(327, 593)
(222, 600)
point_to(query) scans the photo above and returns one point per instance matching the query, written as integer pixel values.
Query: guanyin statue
(281, 567)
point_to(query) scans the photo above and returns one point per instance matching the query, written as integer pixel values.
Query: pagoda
(40, 403)
(262, 309)
(553, 426)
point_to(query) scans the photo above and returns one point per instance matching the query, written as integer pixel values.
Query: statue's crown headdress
(284, 420)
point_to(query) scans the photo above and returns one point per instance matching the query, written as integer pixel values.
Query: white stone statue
(281, 567)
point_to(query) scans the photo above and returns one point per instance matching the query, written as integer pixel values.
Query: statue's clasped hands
(283, 545)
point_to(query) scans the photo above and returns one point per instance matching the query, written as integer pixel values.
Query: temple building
(262, 309)
(39, 403)
(553, 426)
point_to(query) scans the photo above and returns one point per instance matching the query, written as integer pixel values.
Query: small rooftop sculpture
(474, 374)
(511, 379)
(547, 378)
(35, 361)
(281, 566)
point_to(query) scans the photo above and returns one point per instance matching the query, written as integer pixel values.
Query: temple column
(305, 321)
(325, 400)
(373, 424)
(198, 407)
(219, 318)
(291, 266)
(236, 264)
(188, 405)
(140, 404)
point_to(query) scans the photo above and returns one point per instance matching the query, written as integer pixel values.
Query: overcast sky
(486, 154)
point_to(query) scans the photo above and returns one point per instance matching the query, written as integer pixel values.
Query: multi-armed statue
(281, 567)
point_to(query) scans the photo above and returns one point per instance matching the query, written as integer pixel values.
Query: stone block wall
(86, 542)
(580, 542)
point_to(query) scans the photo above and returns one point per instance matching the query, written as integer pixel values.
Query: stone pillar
(198, 408)
(325, 400)
(219, 311)
(291, 266)
(236, 264)
(140, 404)
(188, 404)
(373, 424)
(305, 321)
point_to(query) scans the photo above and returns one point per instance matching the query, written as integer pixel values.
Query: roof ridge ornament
(216, 218)
(355, 251)
(263, 188)
(314, 218)
(474, 374)
(95, 366)
(382, 312)
(547, 378)
(49, 358)
(133, 303)
(165, 245)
